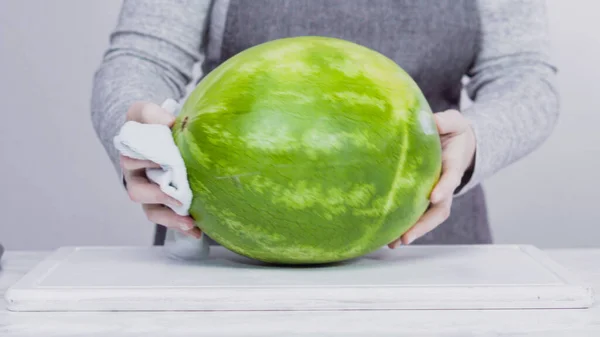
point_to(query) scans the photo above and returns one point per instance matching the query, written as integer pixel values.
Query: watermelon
(308, 150)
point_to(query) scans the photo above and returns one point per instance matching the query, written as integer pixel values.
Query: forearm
(117, 85)
(511, 118)
(150, 58)
(515, 101)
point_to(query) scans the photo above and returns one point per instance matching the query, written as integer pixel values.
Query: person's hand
(141, 189)
(458, 153)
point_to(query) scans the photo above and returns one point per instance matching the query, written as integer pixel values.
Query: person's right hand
(144, 191)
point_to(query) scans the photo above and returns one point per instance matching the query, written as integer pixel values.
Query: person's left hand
(458, 153)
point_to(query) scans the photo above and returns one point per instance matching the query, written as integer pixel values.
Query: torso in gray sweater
(501, 46)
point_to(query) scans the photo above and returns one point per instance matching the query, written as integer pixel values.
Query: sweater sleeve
(150, 57)
(511, 83)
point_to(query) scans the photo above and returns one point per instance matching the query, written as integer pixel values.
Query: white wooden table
(555, 322)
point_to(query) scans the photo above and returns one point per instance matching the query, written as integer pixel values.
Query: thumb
(450, 122)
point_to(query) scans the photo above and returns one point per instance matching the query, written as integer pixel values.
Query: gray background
(58, 187)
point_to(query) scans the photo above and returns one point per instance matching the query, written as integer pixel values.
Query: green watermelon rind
(282, 173)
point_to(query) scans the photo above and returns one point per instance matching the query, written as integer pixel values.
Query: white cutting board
(410, 277)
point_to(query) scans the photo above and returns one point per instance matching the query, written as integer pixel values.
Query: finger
(129, 163)
(445, 187)
(450, 122)
(448, 182)
(141, 190)
(150, 113)
(166, 217)
(432, 218)
(194, 232)
(452, 171)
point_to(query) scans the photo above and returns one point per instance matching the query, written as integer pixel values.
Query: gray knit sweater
(501, 46)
